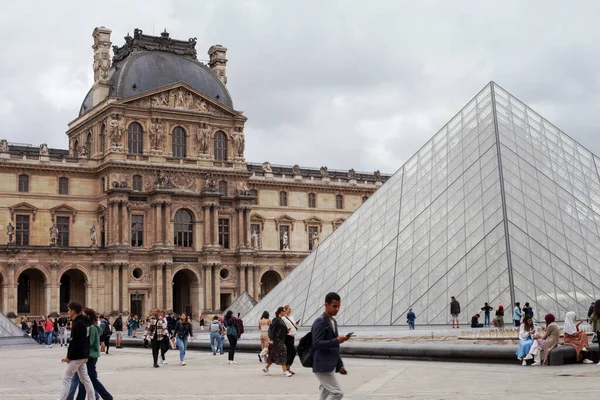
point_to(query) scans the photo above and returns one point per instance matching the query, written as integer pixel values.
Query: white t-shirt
(291, 325)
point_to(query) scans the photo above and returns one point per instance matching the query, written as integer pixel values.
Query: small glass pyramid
(8, 328)
(499, 206)
(242, 304)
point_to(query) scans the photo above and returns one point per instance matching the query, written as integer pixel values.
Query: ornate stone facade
(169, 213)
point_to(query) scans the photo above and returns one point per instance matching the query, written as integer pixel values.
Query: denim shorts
(454, 315)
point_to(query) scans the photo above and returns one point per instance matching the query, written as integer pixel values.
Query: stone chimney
(101, 48)
(218, 62)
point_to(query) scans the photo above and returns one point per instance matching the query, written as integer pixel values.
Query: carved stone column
(54, 299)
(112, 223)
(247, 227)
(159, 286)
(125, 225)
(251, 281)
(48, 298)
(206, 226)
(93, 298)
(208, 282)
(169, 286)
(240, 227)
(12, 287)
(115, 287)
(215, 212)
(103, 290)
(125, 288)
(168, 235)
(242, 278)
(5, 298)
(256, 282)
(217, 280)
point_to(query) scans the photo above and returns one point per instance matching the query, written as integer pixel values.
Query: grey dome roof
(145, 71)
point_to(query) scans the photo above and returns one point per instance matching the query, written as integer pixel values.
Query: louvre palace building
(153, 204)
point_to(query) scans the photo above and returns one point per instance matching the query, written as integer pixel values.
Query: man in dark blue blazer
(326, 347)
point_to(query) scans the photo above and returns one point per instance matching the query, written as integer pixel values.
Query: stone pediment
(284, 219)
(23, 208)
(313, 221)
(180, 97)
(63, 209)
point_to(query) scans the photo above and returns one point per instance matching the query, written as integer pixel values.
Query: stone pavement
(35, 373)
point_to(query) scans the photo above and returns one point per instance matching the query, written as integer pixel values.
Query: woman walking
(233, 335)
(576, 338)
(216, 335)
(92, 360)
(263, 326)
(278, 352)
(135, 325)
(183, 330)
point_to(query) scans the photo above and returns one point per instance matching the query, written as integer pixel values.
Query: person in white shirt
(290, 338)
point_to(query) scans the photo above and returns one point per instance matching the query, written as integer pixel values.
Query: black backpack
(107, 331)
(118, 324)
(305, 350)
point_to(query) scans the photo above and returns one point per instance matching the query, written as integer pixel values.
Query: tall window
(312, 231)
(224, 232)
(88, 145)
(283, 198)
(135, 138)
(253, 193)
(365, 198)
(339, 201)
(220, 146)
(62, 223)
(312, 200)
(137, 183)
(223, 187)
(137, 231)
(184, 232)
(103, 138)
(63, 185)
(22, 228)
(23, 183)
(284, 231)
(179, 145)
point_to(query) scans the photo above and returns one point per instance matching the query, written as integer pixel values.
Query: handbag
(173, 344)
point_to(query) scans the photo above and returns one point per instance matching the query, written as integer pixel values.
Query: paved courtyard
(34, 373)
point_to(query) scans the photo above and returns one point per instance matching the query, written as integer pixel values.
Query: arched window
(312, 200)
(137, 183)
(179, 144)
(220, 146)
(135, 138)
(223, 187)
(184, 229)
(63, 185)
(339, 201)
(103, 138)
(23, 183)
(76, 148)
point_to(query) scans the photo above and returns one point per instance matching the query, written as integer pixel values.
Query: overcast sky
(337, 83)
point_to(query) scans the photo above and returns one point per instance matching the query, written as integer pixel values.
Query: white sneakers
(231, 362)
(161, 361)
(528, 357)
(266, 371)
(287, 374)
(587, 361)
(182, 363)
(535, 364)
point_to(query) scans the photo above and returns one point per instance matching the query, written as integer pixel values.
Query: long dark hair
(229, 315)
(279, 311)
(91, 315)
(528, 326)
(597, 308)
(265, 315)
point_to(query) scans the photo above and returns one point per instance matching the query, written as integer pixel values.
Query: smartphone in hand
(349, 335)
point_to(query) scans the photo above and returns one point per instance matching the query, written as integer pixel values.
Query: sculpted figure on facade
(162, 179)
(238, 142)
(254, 240)
(180, 99)
(286, 241)
(266, 167)
(93, 236)
(101, 64)
(351, 174)
(83, 151)
(202, 138)
(242, 188)
(296, 169)
(10, 232)
(156, 135)
(377, 176)
(161, 100)
(324, 172)
(53, 234)
(209, 181)
(44, 149)
(183, 181)
(3, 146)
(116, 125)
(315, 240)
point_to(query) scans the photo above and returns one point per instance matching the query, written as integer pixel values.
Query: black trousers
(106, 343)
(232, 343)
(164, 347)
(291, 350)
(155, 345)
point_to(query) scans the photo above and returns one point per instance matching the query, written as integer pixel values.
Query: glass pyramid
(499, 206)
(242, 304)
(8, 328)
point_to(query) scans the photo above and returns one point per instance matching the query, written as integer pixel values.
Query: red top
(48, 326)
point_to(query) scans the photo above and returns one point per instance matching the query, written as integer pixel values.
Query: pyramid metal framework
(499, 206)
(243, 304)
(8, 328)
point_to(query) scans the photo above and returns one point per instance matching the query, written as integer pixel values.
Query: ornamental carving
(201, 138)
(296, 169)
(351, 174)
(139, 41)
(3, 146)
(324, 172)
(119, 180)
(238, 141)
(266, 167)
(162, 180)
(377, 176)
(116, 129)
(101, 63)
(183, 181)
(44, 149)
(178, 98)
(157, 135)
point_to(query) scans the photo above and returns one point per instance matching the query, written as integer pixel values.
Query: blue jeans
(411, 325)
(216, 336)
(129, 331)
(486, 320)
(182, 345)
(49, 336)
(99, 388)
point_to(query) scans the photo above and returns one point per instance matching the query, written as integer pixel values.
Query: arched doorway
(31, 292)
(72, 288)
(268, 281)
(185, 293)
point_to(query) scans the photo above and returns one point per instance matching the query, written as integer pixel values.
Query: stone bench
(565, 354)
